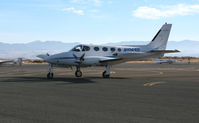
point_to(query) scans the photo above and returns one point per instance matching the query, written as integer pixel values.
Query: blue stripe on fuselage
(79, 57)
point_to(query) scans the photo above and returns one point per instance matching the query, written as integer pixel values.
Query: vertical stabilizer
(160, 40)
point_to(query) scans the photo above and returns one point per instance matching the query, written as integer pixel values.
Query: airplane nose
(49, 60)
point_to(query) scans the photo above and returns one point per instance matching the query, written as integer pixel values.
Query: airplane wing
(109, 59)
(164, 51)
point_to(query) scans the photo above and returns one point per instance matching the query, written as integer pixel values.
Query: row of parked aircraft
(98, 55)
(169, 61)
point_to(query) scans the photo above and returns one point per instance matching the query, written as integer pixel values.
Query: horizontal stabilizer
(164, 51)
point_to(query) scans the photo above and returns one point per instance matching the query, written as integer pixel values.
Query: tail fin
(159, 42)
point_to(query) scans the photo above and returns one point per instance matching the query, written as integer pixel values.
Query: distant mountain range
(30, 50)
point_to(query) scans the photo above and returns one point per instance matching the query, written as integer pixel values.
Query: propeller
(80, 60)
(47, 54)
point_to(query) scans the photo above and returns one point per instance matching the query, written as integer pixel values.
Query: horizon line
(85, 43)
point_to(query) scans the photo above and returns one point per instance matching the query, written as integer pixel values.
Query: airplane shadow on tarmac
(85, 80)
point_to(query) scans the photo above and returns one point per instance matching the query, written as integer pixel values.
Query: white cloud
(73, 10)
(94, 11)
(79, 1)
(165, 11)
(97, 2)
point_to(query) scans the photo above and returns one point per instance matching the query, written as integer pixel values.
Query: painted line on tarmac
(149, 84)
(161, 73)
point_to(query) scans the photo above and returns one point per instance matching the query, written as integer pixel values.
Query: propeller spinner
(80, 60)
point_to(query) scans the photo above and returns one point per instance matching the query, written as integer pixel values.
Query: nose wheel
(78, 73)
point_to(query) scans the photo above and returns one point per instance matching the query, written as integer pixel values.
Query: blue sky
(96, 21)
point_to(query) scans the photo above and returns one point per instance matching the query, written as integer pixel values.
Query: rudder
(160, 40)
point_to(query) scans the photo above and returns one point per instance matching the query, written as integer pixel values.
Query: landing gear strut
(50, 73)
(106, 73)
(78, 73)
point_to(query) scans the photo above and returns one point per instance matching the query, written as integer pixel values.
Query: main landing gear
(106, 73)
(78, 73)
(50, 73)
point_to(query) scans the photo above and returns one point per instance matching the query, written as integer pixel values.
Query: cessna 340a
(97, 55)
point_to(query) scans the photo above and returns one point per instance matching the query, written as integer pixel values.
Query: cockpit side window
(77, 48)
(85, 48)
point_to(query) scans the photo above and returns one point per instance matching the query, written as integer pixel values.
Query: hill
(30, 50)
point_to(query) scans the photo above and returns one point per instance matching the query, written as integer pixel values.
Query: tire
(50, 75)
(104, 75)
(78, 74)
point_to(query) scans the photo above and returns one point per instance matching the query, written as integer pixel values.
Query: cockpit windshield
(80, 48)
(77, 48)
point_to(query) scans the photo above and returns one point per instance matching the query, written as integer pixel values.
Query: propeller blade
(75, 56)
(80, 60)
(47, 54)
(82, 57)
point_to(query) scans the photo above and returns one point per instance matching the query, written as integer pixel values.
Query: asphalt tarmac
(135, 93)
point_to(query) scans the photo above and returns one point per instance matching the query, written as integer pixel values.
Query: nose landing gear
(50, 73)
(78, 73)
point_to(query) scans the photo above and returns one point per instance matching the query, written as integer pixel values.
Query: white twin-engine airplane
(96, 55)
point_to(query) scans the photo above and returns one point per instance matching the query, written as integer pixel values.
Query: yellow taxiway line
(149, 84)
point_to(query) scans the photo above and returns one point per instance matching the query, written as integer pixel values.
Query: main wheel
(78, 74)
(105, 75)
(50, 75)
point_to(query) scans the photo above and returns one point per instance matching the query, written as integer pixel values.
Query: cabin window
(105, 49)
(85, 48)
(112, 49)
(96, 48)
(119, 49)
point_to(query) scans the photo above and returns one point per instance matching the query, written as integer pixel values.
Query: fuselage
(93, 54)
